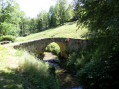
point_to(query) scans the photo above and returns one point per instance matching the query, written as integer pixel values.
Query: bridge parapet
(38, 46)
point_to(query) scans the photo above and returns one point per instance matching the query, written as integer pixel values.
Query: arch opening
(57, 48)
(54, 52)
(53, 47)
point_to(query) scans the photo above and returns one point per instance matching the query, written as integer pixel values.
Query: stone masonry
(38, 46)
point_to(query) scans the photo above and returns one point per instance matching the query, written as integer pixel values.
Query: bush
(100, 74)
(7, 38)
(76, 60)
(102, 71)
(96, 67)
(36, 72)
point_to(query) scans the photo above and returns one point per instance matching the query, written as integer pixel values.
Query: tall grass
(37, 73)
(25, 69)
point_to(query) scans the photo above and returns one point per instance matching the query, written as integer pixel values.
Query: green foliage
(50, 16)
(94, 69)
(54, 48)
(33, 26)
(63, 5)
(69, 13)
(74, 60)
(36, 72)
(77, 60)
(20, 70)
(24, 26)
(60, 13)
(100, 73)
(42, 20)
(8, 38)
(14, 22)
(56, 15)
(101, 17)
(8, 74)
(10, 17)
(9, 29)
(68, 30)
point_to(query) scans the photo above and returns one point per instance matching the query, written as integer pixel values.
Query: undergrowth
(23, 70)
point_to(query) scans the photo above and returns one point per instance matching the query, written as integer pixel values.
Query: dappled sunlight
(10, 80)
(20, 70)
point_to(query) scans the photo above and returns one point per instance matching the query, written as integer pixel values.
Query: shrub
(7, 38)
(36, 72)
(100, 73)
(96, 68)
(77, 60)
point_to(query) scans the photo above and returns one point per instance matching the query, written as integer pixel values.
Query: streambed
(67, 80)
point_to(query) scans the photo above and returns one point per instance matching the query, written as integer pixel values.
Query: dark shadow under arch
(62, 49)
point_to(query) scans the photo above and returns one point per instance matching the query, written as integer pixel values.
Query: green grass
(68, 30)
(19, 70)
(9, 78)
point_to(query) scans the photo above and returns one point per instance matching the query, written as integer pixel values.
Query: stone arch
(62, 47)
(66, 45)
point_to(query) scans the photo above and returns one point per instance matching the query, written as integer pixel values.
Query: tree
(56, 15)
(24, 26)
(59, 14)
(42, 20)
(102, 17)
(63, 5)
(69, 13)
(33, 25)
(10, 17)
(50, 16)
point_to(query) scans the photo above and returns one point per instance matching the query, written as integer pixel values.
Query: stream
(67, 80)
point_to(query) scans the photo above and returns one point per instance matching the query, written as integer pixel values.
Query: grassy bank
(20, 70)
(68, 30)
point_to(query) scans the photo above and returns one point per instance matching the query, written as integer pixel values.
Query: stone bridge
(38, 46)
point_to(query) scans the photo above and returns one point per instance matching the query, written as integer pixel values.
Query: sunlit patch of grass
(19, 69)
(31, 64)
(9, 79)
(36, 72)
(69, 30)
